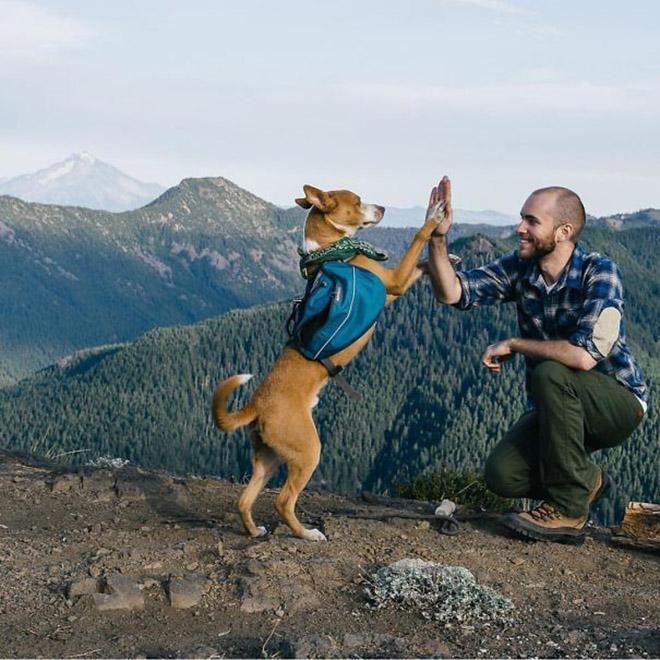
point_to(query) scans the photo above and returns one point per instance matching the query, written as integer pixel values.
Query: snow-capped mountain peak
(82, 180)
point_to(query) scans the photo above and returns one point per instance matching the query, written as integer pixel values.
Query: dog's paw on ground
(314, 535)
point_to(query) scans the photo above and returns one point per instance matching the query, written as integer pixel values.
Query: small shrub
(463, 486)
(442, 593)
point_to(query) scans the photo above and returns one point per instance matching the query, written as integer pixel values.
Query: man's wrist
(438, 243)
(514, 344)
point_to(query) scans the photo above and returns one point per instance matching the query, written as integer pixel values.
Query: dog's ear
(317, 198)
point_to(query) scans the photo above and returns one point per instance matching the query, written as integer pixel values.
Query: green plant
(462, 486)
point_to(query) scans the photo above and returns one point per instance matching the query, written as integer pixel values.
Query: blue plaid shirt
(589, 284)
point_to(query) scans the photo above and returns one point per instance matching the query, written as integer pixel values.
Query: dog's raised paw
(314, 535)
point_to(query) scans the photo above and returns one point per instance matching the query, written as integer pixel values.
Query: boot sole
(560, 535)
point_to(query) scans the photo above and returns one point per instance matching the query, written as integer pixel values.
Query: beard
(540, 247)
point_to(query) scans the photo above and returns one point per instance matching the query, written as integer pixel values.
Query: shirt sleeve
(599, 325)
(490, 284)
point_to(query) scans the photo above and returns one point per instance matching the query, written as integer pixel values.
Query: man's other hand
(496, 354)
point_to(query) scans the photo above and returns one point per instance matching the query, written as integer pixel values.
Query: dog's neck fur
(320, 233)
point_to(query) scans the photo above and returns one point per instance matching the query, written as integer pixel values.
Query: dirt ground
(172, 555)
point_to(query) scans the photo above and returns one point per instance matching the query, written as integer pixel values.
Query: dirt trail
(130, 563)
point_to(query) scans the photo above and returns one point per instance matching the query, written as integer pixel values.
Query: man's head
(548, 217)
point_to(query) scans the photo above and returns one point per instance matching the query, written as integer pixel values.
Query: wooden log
(640, 526)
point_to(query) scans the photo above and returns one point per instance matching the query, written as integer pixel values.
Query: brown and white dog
(280, 411)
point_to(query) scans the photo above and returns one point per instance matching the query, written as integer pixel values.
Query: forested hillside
(75, 277)
(426, 398)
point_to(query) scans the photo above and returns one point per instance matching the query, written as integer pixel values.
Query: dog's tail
(223, 418)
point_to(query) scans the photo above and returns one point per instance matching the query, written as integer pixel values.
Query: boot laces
(545, 511)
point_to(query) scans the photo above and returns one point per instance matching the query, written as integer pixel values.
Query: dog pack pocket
(340, 304)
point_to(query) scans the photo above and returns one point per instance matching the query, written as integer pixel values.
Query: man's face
(536, 230)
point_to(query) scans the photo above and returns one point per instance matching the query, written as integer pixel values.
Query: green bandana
(345, 248)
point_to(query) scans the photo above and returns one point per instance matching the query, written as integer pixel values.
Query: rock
(257, 597)
(82, 587)
(65, 483)
(122, 593)
(219, 549)
(187, 591)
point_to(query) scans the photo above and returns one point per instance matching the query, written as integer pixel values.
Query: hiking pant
(545, 455)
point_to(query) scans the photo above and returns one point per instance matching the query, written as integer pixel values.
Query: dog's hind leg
(264, 464)
(301, 453)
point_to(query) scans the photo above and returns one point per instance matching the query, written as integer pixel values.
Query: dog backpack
(340, 304)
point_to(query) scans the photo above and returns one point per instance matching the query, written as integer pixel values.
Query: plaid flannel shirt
(589, 284)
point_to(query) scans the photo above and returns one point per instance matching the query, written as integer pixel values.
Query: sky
(381, 97)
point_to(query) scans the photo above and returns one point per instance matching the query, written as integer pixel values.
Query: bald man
(585, 390)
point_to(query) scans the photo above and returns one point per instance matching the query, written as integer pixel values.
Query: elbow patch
(606, 330)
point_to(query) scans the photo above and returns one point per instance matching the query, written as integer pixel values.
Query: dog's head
(342, 210)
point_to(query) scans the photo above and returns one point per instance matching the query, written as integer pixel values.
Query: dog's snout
(380, 211)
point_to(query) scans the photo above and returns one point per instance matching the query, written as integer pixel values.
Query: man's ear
(567, 231)
(317, 198)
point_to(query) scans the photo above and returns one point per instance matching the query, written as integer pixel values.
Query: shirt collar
(570, 277)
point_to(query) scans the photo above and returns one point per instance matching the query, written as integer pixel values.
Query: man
(584, 388)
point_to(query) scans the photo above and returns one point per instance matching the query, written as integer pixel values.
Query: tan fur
(281, 408)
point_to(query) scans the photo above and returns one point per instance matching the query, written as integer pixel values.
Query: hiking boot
(602, 486)
(547, 523)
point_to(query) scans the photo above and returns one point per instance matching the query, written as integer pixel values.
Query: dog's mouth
(373, 214)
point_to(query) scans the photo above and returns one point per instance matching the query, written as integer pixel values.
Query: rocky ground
(105, 563)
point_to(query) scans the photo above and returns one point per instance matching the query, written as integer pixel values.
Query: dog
(280, 411)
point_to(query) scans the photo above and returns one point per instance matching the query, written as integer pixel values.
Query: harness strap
(334, 373)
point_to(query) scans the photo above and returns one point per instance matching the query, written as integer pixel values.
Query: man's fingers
(445, 186)
(491, 362)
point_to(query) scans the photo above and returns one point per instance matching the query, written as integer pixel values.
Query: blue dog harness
(341, 302)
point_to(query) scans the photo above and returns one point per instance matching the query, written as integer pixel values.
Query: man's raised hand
(439, 210)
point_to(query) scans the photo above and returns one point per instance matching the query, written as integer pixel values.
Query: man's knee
(549, 375)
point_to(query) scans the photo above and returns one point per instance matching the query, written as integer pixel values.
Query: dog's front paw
(261, 531)
(313, 535)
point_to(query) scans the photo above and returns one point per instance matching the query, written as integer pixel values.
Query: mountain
(82, 180)
(412, 216)
(619, 221)
(427, 401)
(75, 277)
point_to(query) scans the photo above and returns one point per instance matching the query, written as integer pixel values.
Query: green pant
(545, 455)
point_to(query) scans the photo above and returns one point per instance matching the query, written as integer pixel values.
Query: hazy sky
(382, 97)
